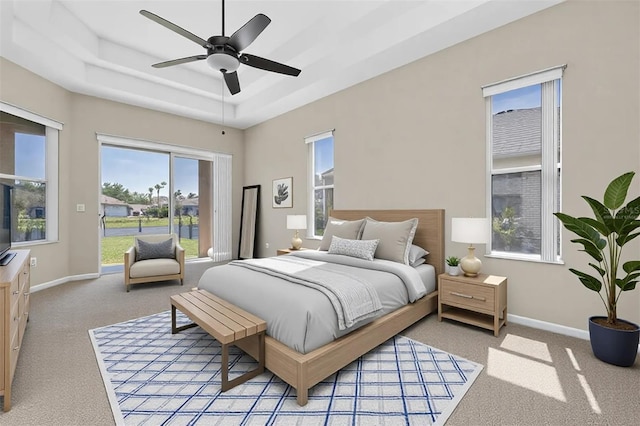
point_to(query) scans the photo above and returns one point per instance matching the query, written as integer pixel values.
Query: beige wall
(77, 251)
(415, 138)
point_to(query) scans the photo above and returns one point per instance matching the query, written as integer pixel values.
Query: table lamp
(297, 222)
(472, 231)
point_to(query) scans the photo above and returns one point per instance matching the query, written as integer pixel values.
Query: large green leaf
(581, 228)
(627, 284)
(601, 227)
(589, 248)
(627, 216)
(624, 239)
(590, 282)
(631, 266)
(616, 192)
(602, 214)
(601, 271)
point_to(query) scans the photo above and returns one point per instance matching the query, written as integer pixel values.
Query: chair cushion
(161, 250)
(154, 267)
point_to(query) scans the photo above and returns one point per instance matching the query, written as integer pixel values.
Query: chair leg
(127, 287)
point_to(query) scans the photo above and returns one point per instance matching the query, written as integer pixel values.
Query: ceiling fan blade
(231, 78)
(248, 32)
(268, 65)
(179, 61)
(173, 27)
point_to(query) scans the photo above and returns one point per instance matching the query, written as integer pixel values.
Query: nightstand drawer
(473, 296)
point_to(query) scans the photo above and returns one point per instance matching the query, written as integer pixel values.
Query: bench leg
(228, 384)
(175, 329)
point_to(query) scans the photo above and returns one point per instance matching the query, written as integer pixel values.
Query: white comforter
(301, 317)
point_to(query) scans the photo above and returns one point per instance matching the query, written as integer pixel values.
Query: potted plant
(453, 263)
(603, 238)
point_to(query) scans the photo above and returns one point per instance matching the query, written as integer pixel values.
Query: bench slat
(232, 311)
(205, 317)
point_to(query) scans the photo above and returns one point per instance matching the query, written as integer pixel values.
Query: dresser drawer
(467, 295)
(24, 277)
(14, 351)
(15, 290)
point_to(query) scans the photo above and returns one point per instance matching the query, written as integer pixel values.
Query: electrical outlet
(266, 245)
(34, 261)
(80, 208)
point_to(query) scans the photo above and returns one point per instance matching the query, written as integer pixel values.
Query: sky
(138, 170)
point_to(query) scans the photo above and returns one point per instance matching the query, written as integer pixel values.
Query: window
(29, 164)
(524, 165)
(320, 180)
(170, 189)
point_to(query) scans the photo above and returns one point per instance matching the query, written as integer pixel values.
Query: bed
(316, 359)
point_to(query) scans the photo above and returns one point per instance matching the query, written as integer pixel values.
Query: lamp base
(296, 242)
(470, 264)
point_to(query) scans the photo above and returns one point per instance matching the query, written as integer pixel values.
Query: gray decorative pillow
(161, 250)
(363, 249)
(395, 238)
(348, 229)
(416, 254)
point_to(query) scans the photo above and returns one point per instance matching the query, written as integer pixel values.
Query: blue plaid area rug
(154, 378)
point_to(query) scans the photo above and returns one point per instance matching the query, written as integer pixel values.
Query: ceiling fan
(223, 53)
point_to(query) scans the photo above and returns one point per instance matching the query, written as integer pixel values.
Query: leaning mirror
(249, 221)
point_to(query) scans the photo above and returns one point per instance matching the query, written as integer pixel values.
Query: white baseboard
(63, 280)
(552, 327)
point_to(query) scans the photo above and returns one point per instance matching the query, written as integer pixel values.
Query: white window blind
(222, 207)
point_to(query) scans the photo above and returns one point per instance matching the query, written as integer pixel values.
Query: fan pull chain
(222, 90)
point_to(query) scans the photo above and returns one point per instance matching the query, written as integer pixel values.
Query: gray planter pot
(617, 347)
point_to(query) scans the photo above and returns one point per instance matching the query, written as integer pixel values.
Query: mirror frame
(249, 222)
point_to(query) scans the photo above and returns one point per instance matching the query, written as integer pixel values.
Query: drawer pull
(15, 293)
(467, 296)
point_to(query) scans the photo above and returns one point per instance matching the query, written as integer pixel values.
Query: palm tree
(151, 195)
(158, 187)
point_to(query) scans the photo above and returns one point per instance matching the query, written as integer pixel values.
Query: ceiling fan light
(223, 61)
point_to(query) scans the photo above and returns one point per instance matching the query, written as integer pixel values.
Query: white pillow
(418, 262)
(395, 238)
(416, 254)
(363, 249)
(349, 229)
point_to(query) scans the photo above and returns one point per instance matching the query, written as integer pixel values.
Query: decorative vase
(614, 346)
(454, 270)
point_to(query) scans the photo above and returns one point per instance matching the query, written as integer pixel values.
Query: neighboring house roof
(517, 132)
(105, 199)
(190, 201)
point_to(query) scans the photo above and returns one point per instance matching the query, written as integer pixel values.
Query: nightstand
(479, 301)
(287, 251)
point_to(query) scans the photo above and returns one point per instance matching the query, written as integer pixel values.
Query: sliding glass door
(145, 191)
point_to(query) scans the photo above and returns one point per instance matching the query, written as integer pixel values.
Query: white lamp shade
(470, 230)
(297, 221)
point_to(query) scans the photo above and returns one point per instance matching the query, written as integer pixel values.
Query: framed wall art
(282, 193)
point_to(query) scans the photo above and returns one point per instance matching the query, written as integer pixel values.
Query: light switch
(80, 207)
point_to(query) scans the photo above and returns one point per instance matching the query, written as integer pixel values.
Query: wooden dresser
(14, 313)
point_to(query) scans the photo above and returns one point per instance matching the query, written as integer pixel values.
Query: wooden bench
(227, 323)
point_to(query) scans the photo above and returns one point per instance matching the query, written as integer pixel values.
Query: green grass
(134, 222)
(113, 248)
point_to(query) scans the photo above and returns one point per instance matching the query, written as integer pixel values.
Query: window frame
(52, 137)
(551, 160)
(311, 187)
(221, 183)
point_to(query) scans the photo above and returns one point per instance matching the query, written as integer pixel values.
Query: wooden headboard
(429, 234)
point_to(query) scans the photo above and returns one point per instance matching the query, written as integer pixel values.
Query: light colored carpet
(155, 377)
(531, 377)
